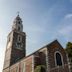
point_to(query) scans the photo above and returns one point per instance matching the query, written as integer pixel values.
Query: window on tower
(19, 22)
(19, 38)
(19, 28)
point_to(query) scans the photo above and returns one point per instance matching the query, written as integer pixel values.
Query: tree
(69, 52)
(69, 49)
(40, 68)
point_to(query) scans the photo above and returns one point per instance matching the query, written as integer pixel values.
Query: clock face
(19, 46)
(9, 45)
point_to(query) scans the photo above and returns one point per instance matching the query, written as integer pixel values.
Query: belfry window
(19, 22)
(58, 59)
(19, 38)
(19, 28)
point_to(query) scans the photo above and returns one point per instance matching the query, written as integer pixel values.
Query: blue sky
(43, 21)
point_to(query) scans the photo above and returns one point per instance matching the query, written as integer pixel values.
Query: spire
(18, 17)
(17, 24)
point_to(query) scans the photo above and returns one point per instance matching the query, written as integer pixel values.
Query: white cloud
(68, 16)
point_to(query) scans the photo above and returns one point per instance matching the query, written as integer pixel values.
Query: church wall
(26, 64)
(40, 58)
(43, 56)
(15, 67)
(56, 47)
(7, 58)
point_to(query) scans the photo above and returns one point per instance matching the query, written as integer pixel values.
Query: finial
(18, 13)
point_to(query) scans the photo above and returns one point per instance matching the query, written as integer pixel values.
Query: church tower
(16, 43)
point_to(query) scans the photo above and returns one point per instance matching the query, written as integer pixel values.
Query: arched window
(19, 28)
(58, 59)
(19, 38)
(19, 22)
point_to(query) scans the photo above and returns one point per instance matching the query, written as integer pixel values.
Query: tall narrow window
(19, 28)
(58, 59)
(19, 22)
(19, 38)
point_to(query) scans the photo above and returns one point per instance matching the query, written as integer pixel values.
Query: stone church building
(50, 58)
